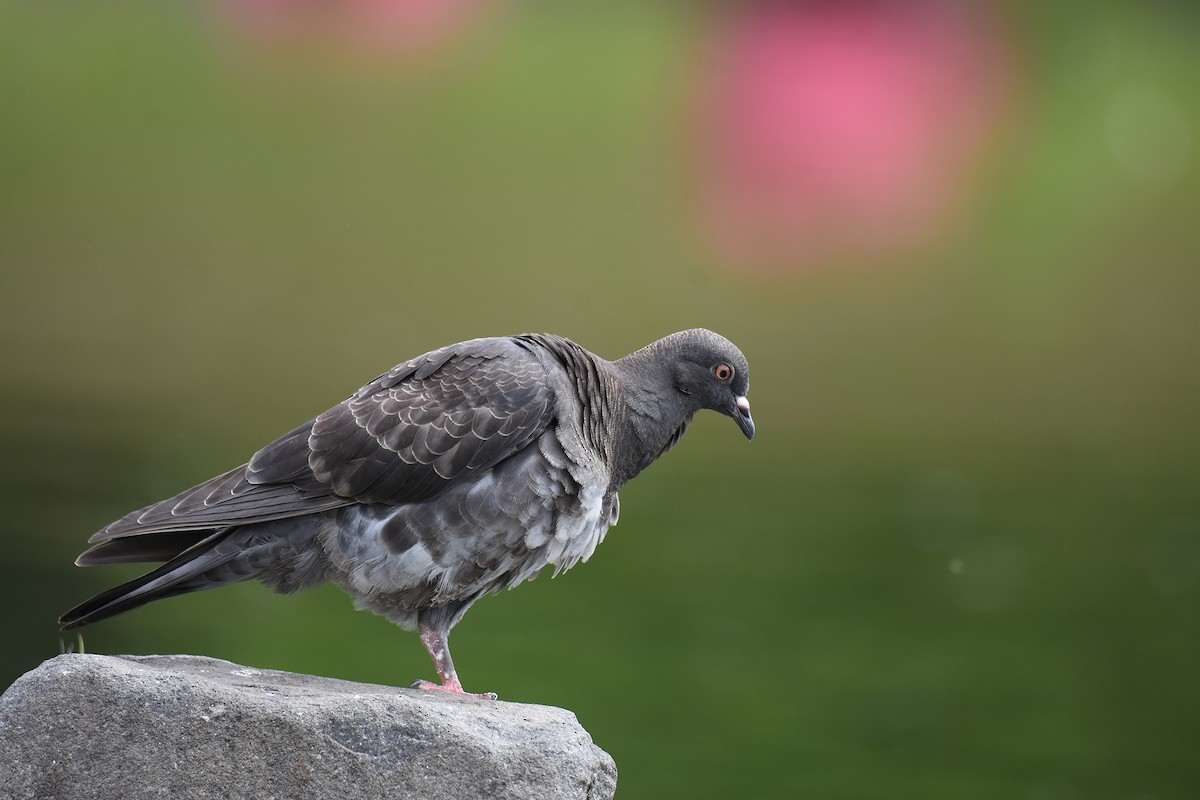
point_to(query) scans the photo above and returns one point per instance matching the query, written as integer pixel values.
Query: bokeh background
(958, 243)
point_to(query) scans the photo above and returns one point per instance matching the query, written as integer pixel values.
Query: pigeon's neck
(652, 416)
(630, 411)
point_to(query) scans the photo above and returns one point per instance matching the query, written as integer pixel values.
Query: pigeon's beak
(742, 416)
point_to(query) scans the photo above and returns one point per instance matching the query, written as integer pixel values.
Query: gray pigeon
(458, 473)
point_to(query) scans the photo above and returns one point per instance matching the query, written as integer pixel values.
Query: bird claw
(451, 689)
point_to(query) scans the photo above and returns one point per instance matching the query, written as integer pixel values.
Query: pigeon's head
(714, 374)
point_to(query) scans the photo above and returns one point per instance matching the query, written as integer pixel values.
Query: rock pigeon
(456, 474)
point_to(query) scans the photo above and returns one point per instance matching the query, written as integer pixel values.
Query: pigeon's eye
(722, 372)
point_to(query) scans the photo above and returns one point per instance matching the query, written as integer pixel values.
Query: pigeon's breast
(486, 532)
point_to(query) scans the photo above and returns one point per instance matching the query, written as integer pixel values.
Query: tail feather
(141, 549)
(203, 565)
(284, 554)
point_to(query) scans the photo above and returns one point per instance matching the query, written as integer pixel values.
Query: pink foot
(436, 642)
(453, 687)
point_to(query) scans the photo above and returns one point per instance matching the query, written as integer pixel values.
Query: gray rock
(130, 727)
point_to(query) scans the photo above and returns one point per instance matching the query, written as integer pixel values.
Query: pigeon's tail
(195, 560)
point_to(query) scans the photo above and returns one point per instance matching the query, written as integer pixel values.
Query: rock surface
(91, 726)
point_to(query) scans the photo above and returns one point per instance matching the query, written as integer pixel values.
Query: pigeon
(455, 474)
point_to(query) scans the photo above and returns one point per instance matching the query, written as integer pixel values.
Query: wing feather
(403, 437)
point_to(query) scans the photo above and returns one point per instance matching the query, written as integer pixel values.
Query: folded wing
(402, 438)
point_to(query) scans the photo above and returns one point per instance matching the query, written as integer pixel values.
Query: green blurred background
(962, 556)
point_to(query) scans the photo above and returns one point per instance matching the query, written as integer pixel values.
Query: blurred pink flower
(833, 129)
(380, 27)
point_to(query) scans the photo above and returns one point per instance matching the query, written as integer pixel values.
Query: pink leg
(438, 645)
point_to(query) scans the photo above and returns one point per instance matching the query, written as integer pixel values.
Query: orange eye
(722, 372)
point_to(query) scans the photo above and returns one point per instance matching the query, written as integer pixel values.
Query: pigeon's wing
(402, 438)
(408, 434)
